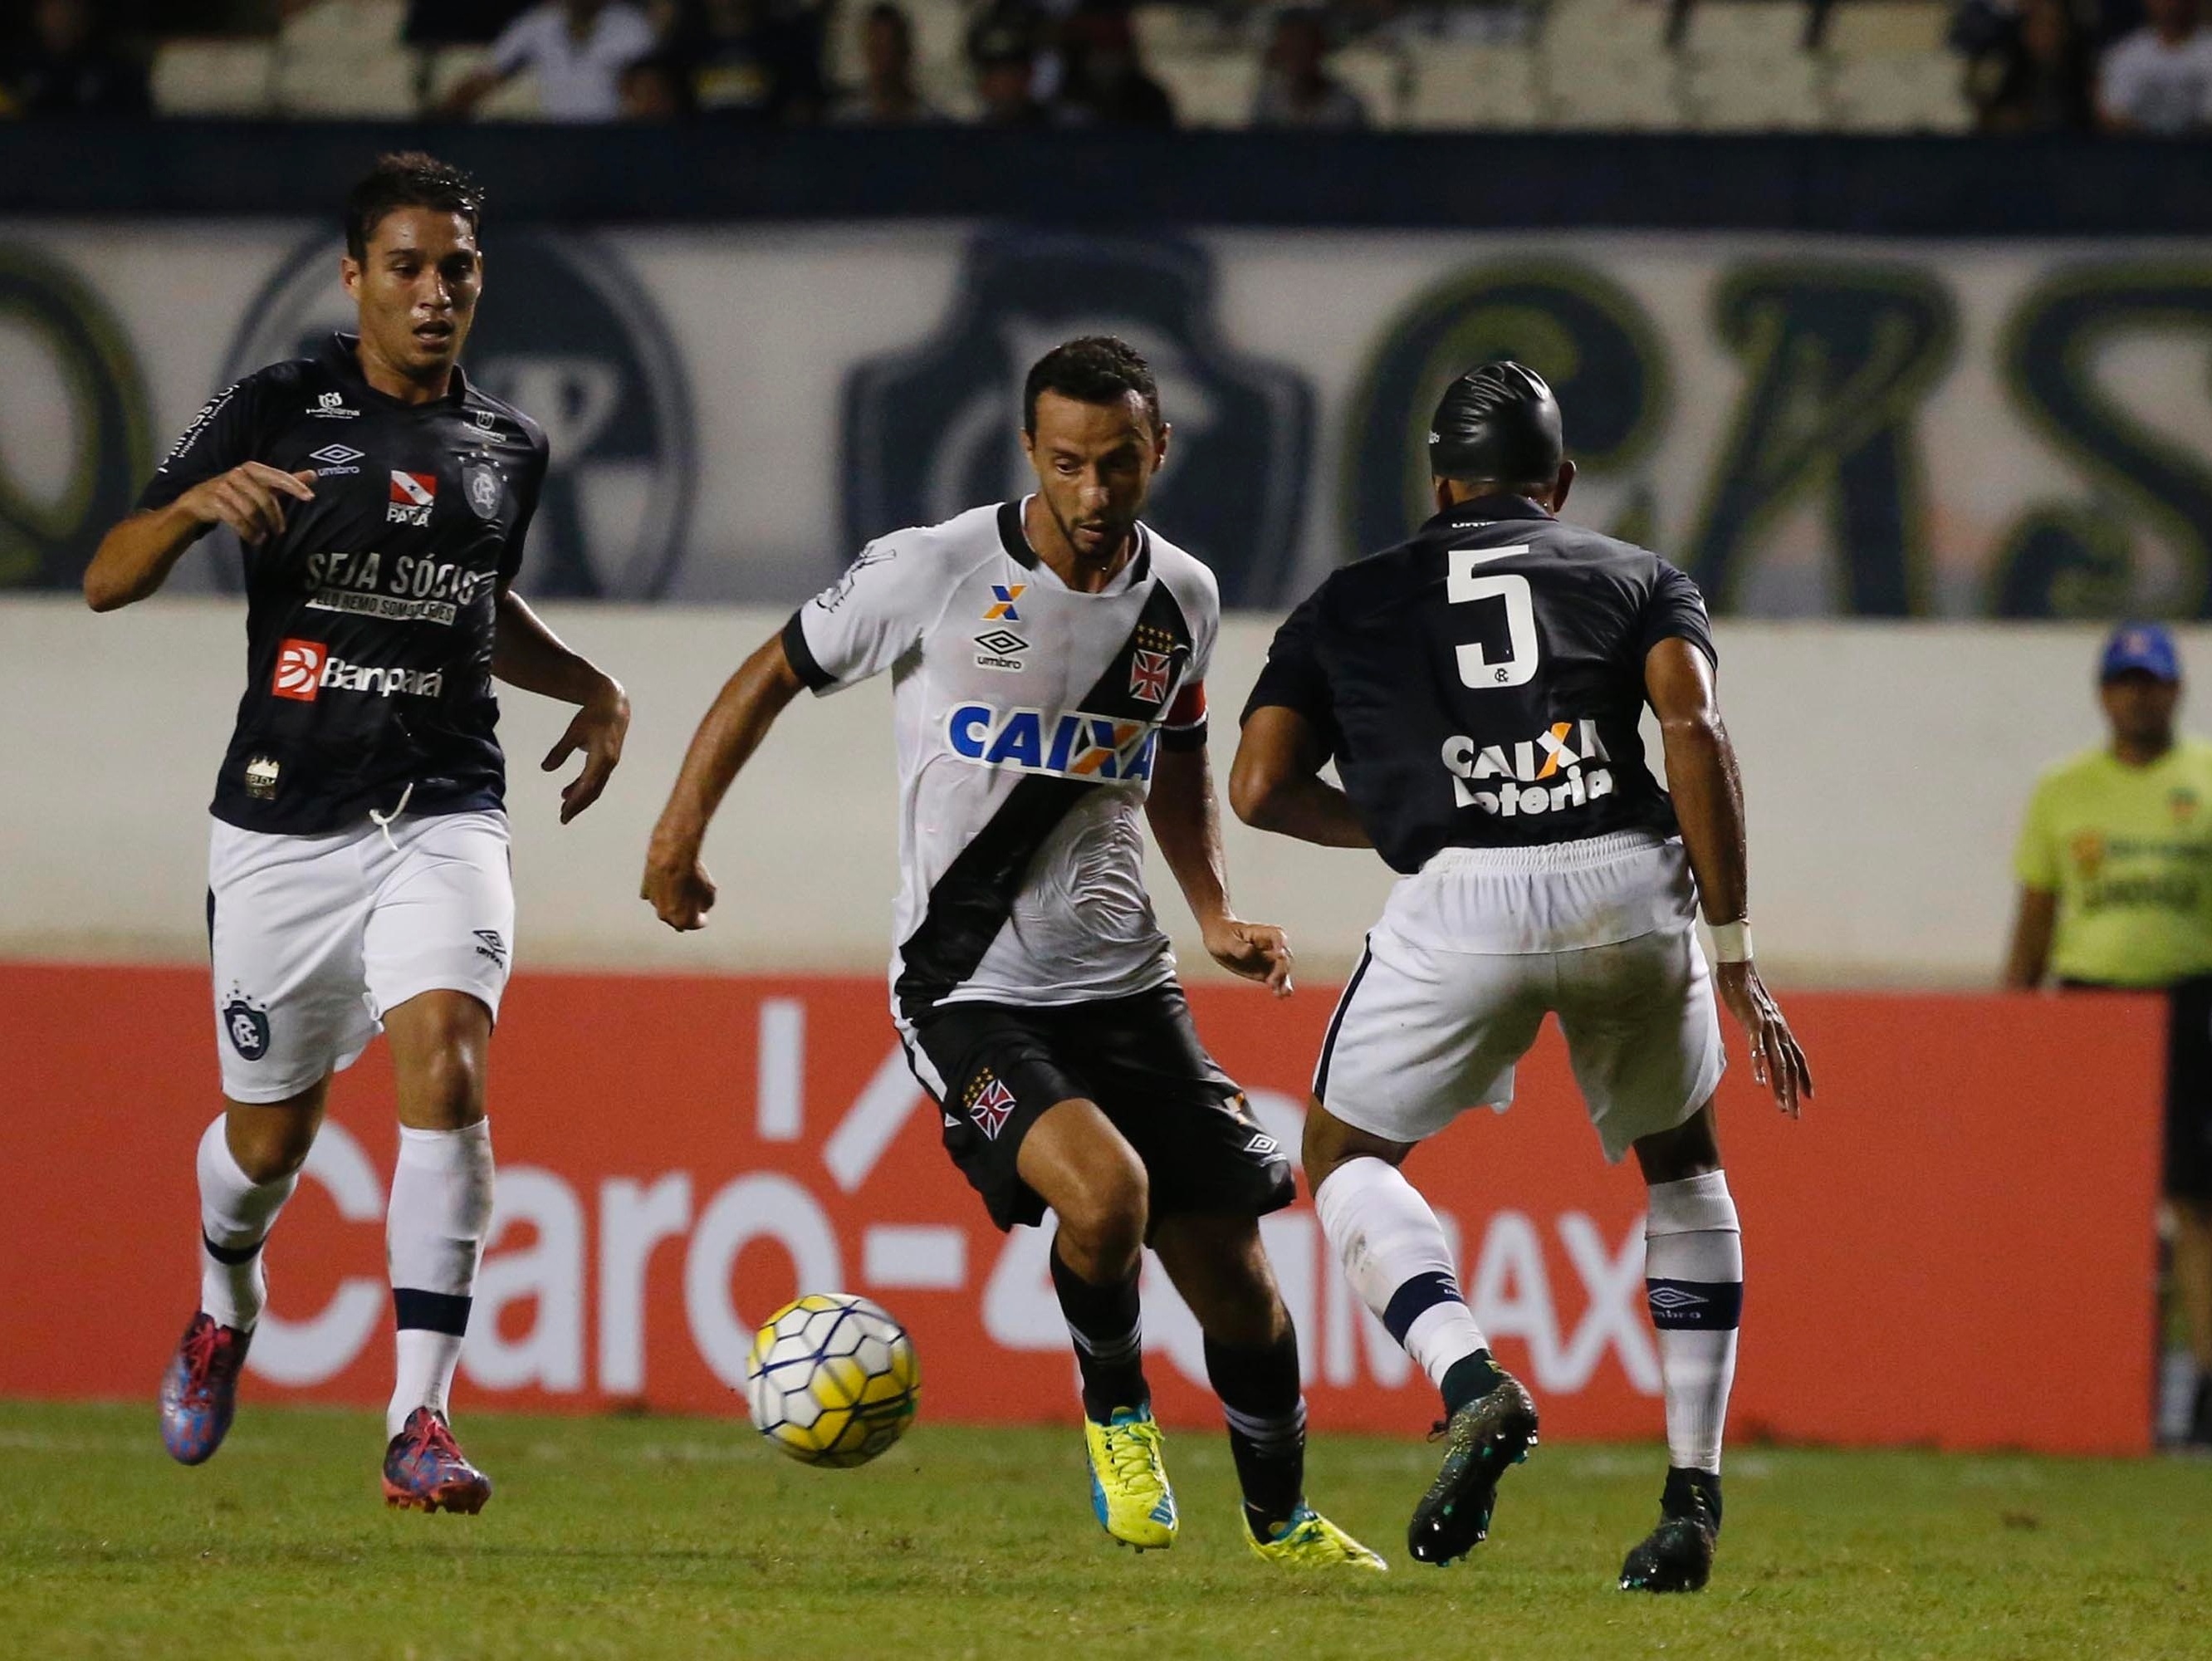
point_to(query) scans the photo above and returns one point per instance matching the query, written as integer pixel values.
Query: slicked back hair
(1096, 368)
(409, 179)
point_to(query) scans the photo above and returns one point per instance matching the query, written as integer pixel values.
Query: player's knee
(269, 1152)
(1105, 1223)
(447, 1090)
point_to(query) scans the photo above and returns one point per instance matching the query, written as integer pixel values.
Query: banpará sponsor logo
(1072, 745)
(1555, 771)
(306, 668)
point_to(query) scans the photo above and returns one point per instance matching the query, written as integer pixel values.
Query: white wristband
(1731, 941)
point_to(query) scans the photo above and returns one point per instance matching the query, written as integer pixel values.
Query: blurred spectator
(1105, 83)
(1296, 89)
(2115, 870)
(752, 62)
(577, 49)
(887, 96)
(653, 89)
(1005, 57)
(67, 66)
(2158, 80)
(2035, 76)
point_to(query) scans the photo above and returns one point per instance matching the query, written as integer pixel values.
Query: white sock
(236, 1214)
(1395, 1254)
(441, 1211)
(1694, 1274)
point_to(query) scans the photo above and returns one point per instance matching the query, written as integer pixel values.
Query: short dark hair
(1098, 368)
(409, 179)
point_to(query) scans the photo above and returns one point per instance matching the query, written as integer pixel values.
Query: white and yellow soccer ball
(832, 1379)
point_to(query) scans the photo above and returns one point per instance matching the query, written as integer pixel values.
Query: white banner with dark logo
(1811, 425)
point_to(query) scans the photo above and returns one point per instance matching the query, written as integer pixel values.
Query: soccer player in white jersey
(358, 873)
(1047, 660)
(1479, 688)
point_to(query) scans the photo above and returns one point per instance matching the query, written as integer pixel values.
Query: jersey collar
(1016, 541)
(1480, 509)
(340, 356)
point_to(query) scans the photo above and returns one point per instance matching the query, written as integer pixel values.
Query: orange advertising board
(1970, 1196)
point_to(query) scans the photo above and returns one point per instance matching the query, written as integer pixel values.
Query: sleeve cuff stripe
(800, 656)
(1183, 738)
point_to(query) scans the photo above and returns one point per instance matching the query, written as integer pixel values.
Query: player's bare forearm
(676, 883)
(742, 713)
(1701, 776)
(2029, 955)
(1275, 783)
(527, 654)
(134, 558)
(1187, 823)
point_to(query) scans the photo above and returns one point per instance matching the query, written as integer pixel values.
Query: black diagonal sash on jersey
(971, 901)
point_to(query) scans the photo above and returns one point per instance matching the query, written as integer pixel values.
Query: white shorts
(313, 938)
(1475, 949)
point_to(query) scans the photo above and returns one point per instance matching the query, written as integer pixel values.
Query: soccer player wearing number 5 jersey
(1479, 690)
(1047, 660)
(358, 874)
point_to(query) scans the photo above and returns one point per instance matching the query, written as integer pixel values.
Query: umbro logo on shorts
(413, 495)
(489, 944)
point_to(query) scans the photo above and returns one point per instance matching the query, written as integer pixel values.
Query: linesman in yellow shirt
(2115, 870)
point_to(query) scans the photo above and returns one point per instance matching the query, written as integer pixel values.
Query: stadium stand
(1637, 65)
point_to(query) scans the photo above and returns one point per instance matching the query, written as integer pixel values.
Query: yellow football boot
(1129, 1491)
(1310, 1541)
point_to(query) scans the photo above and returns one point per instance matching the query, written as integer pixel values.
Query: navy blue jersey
(370, 620)
(1482, 686)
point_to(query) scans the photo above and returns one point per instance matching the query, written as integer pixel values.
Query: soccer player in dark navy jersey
(1479, 688)
(358, 874)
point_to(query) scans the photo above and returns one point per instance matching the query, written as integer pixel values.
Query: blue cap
(2140, 645)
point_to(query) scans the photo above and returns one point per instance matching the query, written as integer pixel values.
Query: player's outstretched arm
(1275, 783)
(1187, 823)
(134, 558)
(675, 884)
(1708, 791)
(527, 654)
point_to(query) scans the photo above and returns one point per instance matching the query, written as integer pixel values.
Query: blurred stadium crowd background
(1868, 65)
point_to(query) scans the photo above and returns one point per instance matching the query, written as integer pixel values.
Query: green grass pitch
(687, 1536)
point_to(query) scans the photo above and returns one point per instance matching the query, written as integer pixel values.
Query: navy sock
(1259, 1397)
(1106, 1325)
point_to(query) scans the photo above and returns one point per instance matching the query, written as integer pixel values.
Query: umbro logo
(490, 944)
(336, 455)
(1672, 1298)
(1001, 650)
(1263, 1144)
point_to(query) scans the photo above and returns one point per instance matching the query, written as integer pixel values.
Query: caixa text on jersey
(1557, 769)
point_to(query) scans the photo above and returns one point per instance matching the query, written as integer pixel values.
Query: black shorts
(2189, 1091)
(1139, 1058)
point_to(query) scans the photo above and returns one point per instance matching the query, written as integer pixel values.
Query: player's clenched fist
(676, 886)
(250, 498)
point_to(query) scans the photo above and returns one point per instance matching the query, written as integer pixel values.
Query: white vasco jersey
(1028, 719)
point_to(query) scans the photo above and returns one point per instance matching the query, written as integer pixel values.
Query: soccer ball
(832, 1379)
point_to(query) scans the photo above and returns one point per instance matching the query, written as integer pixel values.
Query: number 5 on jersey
(1463, 587)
